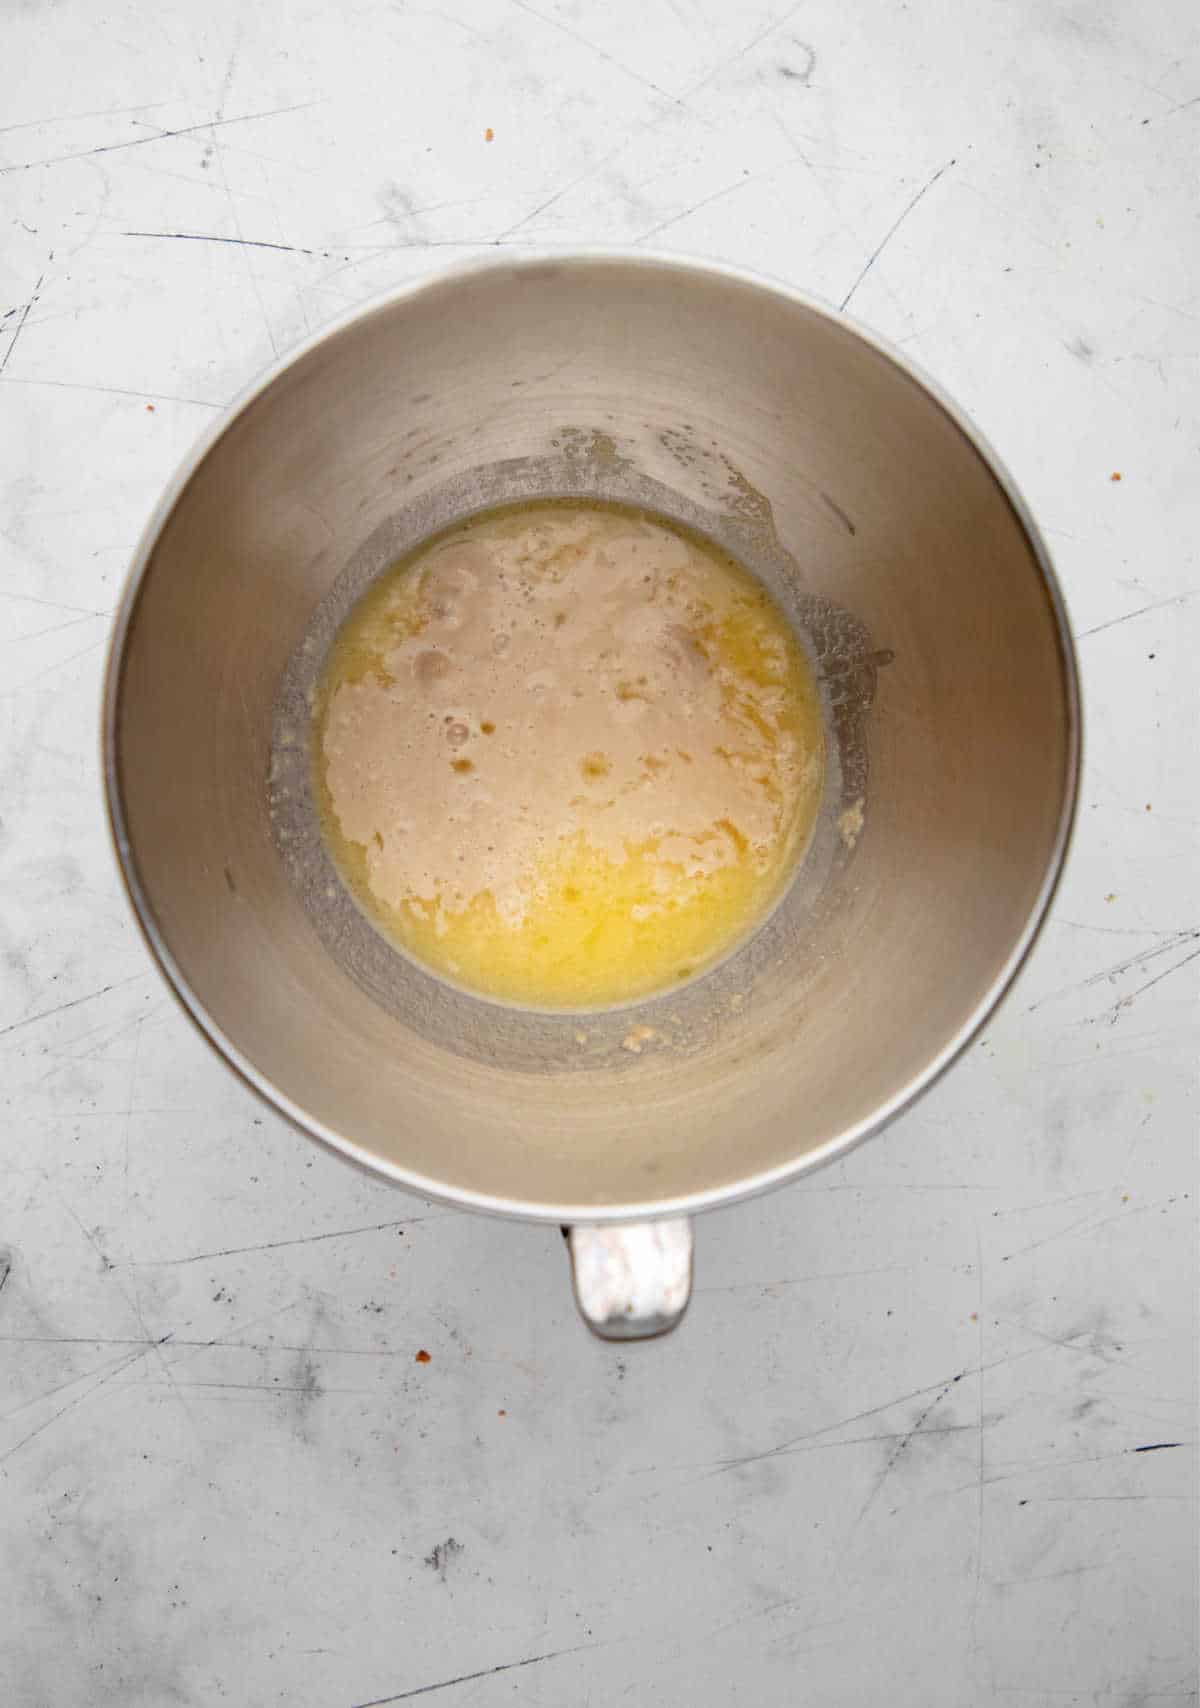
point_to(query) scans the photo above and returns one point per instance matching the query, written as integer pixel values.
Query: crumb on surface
(423, 1357)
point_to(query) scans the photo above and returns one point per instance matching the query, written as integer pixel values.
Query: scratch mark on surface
(156, 1347)
(598, 166)
(231, 199)
(159, 136)
(448, 18)
(470, 1677)
(268, 1388)
(717, 195)
(804, 1447)
(768, 30)
(1158, 1447)
(1027, 1469)
(573, 183)
(12, 343)
(1084, 1222)
(151, 1343)
(1052, 1203)
(395, 220)
(219, 1344)
(206, 182)
(62, 1007)
(59, 664)
(55, 628)
(108, 1365)
(113, 391)
(49, 604)
(893, 229)
(108, 1037)
(73, 118)
(805, 1280)
(1071, 1500)
(128, 1122)
(755, 1613)
(979, 1515)
(276, 1245)
(103, 1032)
(1173, 940)
(1047, 1577)
(1158, 605)
(600, 53)
(1181, 107)
(1124, 1002)
(205, 237)
(944, 1384)
(1140, 1044)
(902, 1447)
(1111, 930)
(899, 1186)
(106, 1262)
(79, 1399)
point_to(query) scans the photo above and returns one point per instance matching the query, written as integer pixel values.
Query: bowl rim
(683, 1204)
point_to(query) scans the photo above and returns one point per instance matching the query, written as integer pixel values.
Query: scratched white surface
(896, 1453)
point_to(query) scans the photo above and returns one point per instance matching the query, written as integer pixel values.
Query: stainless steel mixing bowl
(912, 572)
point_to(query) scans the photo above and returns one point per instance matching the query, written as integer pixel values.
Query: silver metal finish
(905, 559)
(632, 1280)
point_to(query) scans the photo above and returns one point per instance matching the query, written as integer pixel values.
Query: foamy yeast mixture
(567, 754)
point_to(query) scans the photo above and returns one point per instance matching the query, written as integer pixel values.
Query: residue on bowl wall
(850, 823)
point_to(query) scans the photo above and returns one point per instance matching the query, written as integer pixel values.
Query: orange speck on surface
(149, 409)
(423, 1357)
(489, 135)
(1115, 475)
(1147, 806)
(501, 1414)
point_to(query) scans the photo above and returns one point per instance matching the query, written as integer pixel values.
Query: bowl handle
(632, 1280)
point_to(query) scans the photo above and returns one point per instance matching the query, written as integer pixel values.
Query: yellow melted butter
(593, 924)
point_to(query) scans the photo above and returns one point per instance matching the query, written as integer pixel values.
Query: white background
(893, 1455)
